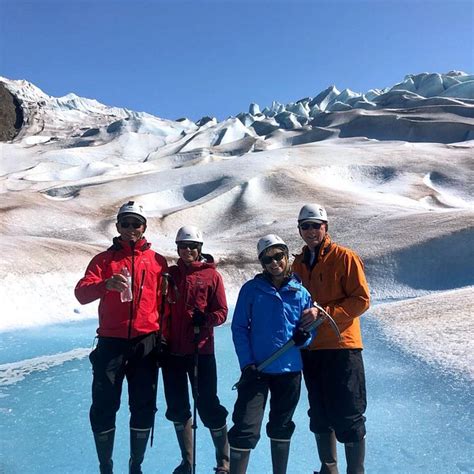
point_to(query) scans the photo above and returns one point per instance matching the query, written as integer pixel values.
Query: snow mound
(14, 372)
(434, 327)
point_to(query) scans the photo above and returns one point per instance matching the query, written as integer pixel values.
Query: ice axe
(289, 344)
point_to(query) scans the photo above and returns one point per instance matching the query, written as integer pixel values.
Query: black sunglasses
(126, 225)
(310, 225)
(188, 245)
(267, 259)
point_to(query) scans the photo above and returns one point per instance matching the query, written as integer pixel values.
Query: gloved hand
(161, 346)
(199, 318)
(300, 336)
(250, 373)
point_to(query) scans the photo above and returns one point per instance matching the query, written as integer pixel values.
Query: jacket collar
(264, 281)
(119, 244)
(207, 261)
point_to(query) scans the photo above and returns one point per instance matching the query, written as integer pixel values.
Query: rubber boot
(104, 444)
(138, 442)
(280, 453)
(184, 433)
(219, 438)
(327, 449)
(239, 460)
(355, 454)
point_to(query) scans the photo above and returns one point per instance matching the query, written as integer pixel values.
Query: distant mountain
(427, 107)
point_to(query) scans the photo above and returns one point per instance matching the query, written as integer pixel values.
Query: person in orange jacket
(333, 368)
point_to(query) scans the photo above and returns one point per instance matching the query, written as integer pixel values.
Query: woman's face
(275, 261)
(188, 251)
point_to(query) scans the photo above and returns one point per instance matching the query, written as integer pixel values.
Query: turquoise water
(419, 420)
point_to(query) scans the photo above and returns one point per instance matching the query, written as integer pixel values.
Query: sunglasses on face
(126, 225)
(267, 259)
(310, 225)
(188, 245)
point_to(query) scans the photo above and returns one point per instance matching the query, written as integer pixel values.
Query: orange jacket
(337, 282)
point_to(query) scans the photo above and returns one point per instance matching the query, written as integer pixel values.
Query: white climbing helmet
(267, 241)
(312, 212)
(132, 209)
(189, 233)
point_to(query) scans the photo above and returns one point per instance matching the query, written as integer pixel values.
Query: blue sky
(176, 58)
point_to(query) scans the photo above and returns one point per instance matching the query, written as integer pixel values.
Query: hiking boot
(183, 468)
(327, 450)
(104, 444)
(355, 454)
(219, 438)
(280, 452)
(239, 460)
(184, 434)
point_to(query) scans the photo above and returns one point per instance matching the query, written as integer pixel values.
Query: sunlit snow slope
(393, 167)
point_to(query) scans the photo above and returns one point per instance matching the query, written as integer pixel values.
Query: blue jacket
(264, 320)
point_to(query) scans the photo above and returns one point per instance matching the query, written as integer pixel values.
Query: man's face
(313, 233)
(130, 229)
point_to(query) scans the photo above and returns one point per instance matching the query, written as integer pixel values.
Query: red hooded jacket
(200, 286)
(134, 318)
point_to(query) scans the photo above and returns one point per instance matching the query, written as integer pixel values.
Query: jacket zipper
(132, 246)
(142, 282)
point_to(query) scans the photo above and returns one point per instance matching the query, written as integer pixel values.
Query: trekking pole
(290, 343)
(164, 293)
(197, 331)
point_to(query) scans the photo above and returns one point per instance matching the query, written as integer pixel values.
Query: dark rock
(11, 115)
(202, 121)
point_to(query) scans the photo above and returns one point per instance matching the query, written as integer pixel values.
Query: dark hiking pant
(250, 407)
(335, 380)
(176, 371)
(112, 360)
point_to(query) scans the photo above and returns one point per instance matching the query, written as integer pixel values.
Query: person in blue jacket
(267, 315)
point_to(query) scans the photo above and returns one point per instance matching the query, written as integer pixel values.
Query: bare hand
(116, 282)
(309, 315)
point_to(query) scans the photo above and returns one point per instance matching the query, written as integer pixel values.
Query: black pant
(250, 407)
(176, 370)
(112, 360)
(335, 380)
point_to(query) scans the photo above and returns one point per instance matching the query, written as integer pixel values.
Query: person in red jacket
(127, 280)
(199, 305)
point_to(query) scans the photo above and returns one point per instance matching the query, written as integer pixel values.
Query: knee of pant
(142, 419)
(213, 418)
(176, 416)
(354, 435)
(318, 422)
(101, 423)
(281, 432)
(241, 440)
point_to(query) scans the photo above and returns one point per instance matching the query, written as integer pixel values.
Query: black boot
(104, 444)
(184, 433)
(327, 450)
(280, 453)
(355, 455)
(138, 442)
(219, 438)
(239, 460)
